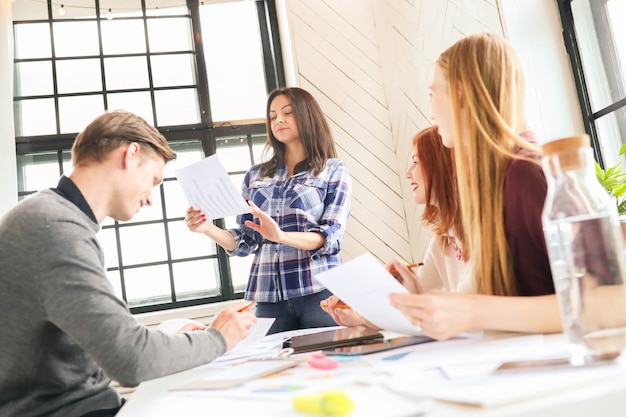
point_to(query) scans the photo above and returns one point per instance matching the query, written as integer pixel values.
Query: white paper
(364, 284)
(174, 325)
(208, 187)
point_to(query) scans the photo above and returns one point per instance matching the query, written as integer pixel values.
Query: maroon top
(525, 191)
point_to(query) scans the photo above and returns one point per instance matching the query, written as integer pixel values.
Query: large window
(198, 71)
(595, 38)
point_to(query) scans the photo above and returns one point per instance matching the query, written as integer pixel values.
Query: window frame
(206, 131)
(611, 61)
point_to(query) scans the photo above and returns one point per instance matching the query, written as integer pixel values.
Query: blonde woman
(477, 100)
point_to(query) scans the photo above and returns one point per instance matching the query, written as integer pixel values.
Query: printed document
(364, 284)
(208, 187)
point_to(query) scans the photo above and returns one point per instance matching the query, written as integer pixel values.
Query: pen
(338, 304)
(247, 306)
(410, 266)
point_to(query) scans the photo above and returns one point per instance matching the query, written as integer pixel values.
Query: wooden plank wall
(368, 64)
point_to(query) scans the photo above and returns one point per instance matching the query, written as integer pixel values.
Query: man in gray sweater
(64, 332)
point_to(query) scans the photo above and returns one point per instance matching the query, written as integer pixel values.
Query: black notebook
(349, 336)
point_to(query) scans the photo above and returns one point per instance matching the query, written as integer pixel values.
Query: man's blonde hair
(486, 84)
(114, 128)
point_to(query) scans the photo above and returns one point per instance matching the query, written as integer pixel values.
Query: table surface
(604, 395)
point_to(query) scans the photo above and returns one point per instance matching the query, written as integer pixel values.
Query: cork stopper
(568, 151)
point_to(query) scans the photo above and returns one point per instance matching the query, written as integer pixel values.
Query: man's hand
(234, 324)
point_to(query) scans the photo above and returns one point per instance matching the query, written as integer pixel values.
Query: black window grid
(206, 132)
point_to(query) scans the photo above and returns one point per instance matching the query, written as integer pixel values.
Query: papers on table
(207, 187)
(364, 284)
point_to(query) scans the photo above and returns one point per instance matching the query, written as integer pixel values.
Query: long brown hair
(313, 128)
(442, 209)
(488, 73)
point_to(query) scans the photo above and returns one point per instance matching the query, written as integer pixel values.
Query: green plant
(613, 179)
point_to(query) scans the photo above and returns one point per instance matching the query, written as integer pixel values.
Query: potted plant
(613, 179)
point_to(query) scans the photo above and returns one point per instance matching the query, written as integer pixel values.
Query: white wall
(368, 62)
(8, 168)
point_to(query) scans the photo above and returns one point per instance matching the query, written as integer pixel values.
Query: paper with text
(364, 284)
(207, 186)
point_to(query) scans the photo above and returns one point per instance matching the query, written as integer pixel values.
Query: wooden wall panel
(368, 63)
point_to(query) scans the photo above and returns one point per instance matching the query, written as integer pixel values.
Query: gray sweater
(64, 332)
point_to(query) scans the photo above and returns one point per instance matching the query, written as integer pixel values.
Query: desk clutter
(272, 379)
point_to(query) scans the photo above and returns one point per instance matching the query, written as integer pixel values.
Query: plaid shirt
(301, 203)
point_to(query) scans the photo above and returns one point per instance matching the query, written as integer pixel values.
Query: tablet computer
(348, 336)
(377, 347)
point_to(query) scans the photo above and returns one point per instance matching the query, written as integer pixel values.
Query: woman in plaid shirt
(300, 202)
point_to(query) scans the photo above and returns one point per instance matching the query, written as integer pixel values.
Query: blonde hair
(486, 83)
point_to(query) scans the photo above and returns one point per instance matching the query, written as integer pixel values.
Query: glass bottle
(586, 251)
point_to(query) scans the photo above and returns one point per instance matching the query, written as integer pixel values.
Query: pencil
(410, 266)
(247, 306)
(338, 304)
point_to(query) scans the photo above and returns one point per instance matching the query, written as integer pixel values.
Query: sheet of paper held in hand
(364, 284)
(208, 187)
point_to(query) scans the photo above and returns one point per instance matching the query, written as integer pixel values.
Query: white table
(604, 397)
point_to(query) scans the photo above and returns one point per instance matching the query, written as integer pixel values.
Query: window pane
(67, 162)
(173, 70)
(143, 244)
(116, 282)
(234, 153)
(37, 171)
(109, 246)
(32, 41)
(186, 154)
(234, 61)
(33, 78)
(29, 10)
(75, 38)
(177, 107)
(75, 113)
(35, 117)
(158, 8)
(78, 76)
(240, 271)
(175, 200)
(148, 213)
(196, 279)
(123, 36)
(598, 68)
(169, 34)
(138, 103)
(608, 132)
(617, 11)
(148, 285)
(187, 244)
(126, 73)
(84, 9)
(258, 148)
(126, 8)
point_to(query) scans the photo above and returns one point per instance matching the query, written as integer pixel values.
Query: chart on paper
(207, 186)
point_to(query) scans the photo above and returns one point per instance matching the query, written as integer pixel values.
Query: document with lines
(364, 284)
(207, 187)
